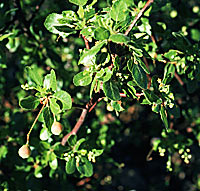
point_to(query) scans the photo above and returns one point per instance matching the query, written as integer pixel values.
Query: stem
(178, 79)
(86, 42)
(76, 127)
(138, 17)
(28, 135)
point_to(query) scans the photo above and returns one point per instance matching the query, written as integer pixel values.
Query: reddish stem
(138, 16)
(178, 79)
(86, 42)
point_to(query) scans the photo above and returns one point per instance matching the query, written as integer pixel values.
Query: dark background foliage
(127, 139)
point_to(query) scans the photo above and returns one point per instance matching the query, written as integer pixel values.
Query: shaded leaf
(163, 115)
(48, 117)
(85, 167)
(111, 90)
(70, 166)
(29, 102)
(53, 83)
(34, 75)
(139, 76)
(101, 33)
(65, 99)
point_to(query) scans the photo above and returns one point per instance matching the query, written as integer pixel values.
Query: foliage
(132, 68)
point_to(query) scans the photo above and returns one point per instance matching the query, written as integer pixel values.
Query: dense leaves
(115, 75)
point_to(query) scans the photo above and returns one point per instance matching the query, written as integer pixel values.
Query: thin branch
(86, 42)
(76, 127)
(178, 79)
(138, 16)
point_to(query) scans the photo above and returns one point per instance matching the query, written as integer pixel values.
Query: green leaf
(46, 83)
(119, 11)
(117, 106)
(78, 2)
(85, 167)
(34, 75)
(144, 67)
(101, 33)
(53, 83)
(78, 144)
(97, 152)
(70, 166)
(111, 90)
(83, 78)
(53, 164)
(44, 134)
(2, 37)
(163, 115)
(72, 140)
(29, 102)
(61, 24)
(150, 96)
(54, 106)
(65, 99)
(119, 38)
(92, 86)
(106, 76)
(139, 76)
(88, 56)
(48, 117)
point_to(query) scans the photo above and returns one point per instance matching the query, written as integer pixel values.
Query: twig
(86, 42)
(148, 76)
(138, 16)
(76, 127)
(178, 79)
(28, 135)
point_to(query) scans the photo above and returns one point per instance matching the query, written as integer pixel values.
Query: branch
(86, 42)
(178, 79)
(138, 16)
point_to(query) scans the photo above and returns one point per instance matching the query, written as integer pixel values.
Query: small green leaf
(107, 75)
(78, 144)
(119, 38)
(44, 134)
(119, 11)
(97, 152)
(92, 86)
(61, 24)
(150, 96)
(34, 75)
(139, 76)
(72, 140)
(53, 83)
(101, 33)
(163, 115)
(117, 106)
(78, 2)
(65, 99)
(48, 117)
(83, 78)
(144, 67)
(88, 56)
(2, 37)
(111, 90)
(70, 166)
(46, 83)
(53, 164)
(54, 106)
(29, 102)
(85, 167)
